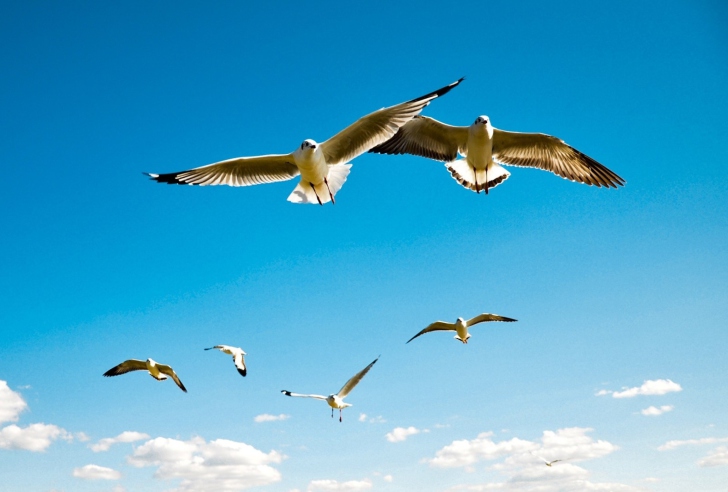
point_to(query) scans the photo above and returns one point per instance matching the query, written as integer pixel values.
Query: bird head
(308, 145)
(482, 120)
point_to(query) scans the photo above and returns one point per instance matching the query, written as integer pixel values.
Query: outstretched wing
(288, 393)
(239, 361)
(487, 317)
(346, 389)
(427, 137)
(170, 372)
(126, 366)
(436, 326)
(375, 128)
(551, 154)
(242, 171)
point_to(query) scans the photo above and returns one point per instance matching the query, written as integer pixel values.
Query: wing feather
(242, 171)
(126, 366)
(288, 393)
(376, 128)
(165, 369)
(487, 317)
(427, 137)
(436, 326)
(551, 154)
(351, 383)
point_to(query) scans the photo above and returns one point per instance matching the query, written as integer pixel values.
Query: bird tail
(304, 193)
(464, 174)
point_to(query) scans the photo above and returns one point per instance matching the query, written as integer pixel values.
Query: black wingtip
(287, 393)
(439, 92)
(243, 372)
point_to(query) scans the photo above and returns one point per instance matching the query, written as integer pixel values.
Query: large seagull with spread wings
(337, 400)
(323, 167)
(460, 327)
(156, 370)
(484, 148)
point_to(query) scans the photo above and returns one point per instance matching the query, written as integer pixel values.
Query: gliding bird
(323, 166)
(337, 400)
(238, 356)
(484, 147)
(545, 461)
(156, 370)
(461, 326)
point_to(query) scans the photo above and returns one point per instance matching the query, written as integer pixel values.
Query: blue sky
(621, 295)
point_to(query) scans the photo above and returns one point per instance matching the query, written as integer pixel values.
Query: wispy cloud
(219, 465)
(11, 403)
(126, 436)
(719, 457)
(400, 434)
(372, 420)
(652, 411)
(96, 472)
(266, 417)
(669, 445)
(333, 485)
(649, 387)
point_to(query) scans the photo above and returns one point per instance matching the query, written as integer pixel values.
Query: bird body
(460, 327)
(238, 357)
(484, 148)
(323, 167)
(158, 371)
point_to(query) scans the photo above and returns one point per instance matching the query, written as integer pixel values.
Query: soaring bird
(323, 167)
(484, 148)
(238, 356)
(156, 370)
(461, 326)
(337, 400)
(545, 461)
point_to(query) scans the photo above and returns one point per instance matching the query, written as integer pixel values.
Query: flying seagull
(484, 148)
(545, 461)
(337, 400)
(461, 326)
(156, 370)
(323, 167)
(238, 356)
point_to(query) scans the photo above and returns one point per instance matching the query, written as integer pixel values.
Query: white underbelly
(313, 171)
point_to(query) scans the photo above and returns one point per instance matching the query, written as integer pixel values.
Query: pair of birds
(160, 372)
(400, 129)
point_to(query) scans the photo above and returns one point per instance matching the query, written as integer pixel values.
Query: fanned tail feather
(464, 174)
(303, 193)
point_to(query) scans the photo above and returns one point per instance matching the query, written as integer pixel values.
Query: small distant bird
(323, 166)
(238, 356)
(156, 370)
(337, 400)
(461, 326)
(545, 461)
(483, 147)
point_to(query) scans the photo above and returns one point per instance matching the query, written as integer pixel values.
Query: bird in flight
(337, 400)
(323, 167)
(545, 461)
(461, 326)
(238, 356)
(484, 148)
(156, 370)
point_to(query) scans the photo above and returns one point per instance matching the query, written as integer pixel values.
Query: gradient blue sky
(612, 288)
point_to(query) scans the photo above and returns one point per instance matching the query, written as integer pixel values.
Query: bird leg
(330, 194)
(339, 415)
(314, 192)
(486, 179)
(475, 173)
(332, 412)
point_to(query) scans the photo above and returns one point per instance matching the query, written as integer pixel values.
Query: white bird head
(460, 321)
(150, 361)
(308, 145)
(482, 120)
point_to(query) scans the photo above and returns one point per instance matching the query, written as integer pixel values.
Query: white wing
(551, 154)
(346, 389)
(242, 171)
(288, 393)
(375, 128)
(436, 326)
(239, 361)
(427, 137)
(486, 317)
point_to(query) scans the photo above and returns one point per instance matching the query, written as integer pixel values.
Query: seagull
(461, 326)
(156, 370)
(323, 167)
(545, 461)
(484, 148)
(238, 356)
(337, 400)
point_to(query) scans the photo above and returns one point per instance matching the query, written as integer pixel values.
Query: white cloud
(653, 411)
(266, 417)
(520, 461)
(372, 420)
(718, 458)
(219, 465)
(11, 403)
(35, 437)
(96, 472)
(691, 442)
(649, 387)
(329, 485)
(388, 478)
(399, 434)
(126, 436)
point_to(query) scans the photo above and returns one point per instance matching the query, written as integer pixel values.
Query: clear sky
(617, 364)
